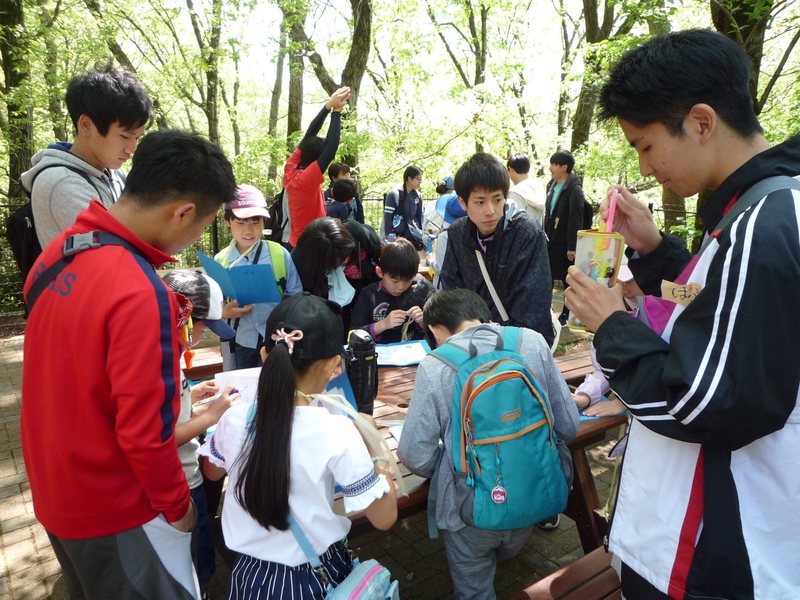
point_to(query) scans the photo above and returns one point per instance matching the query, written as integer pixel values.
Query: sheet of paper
(244, 380)
(402, 354)
(248, 284)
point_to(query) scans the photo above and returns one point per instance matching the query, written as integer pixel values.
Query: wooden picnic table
(394, 394)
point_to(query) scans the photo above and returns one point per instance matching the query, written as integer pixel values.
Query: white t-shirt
(326, 449)
(529, 195)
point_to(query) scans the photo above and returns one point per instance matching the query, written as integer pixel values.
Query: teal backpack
(507, 466)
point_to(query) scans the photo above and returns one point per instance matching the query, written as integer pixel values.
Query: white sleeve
(353, 470)
(221, 447)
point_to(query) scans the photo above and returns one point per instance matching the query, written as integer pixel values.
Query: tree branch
(453, 57)
(777, 73)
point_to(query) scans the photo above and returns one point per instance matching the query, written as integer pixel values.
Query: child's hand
(233, 311)
(230, 397)
(415, 312)
(605, 409)
(394, 319)
(206, 389)
(581, 401)
(338, 99)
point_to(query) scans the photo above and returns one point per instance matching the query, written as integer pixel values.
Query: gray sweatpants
(473, 554)
(150, 561)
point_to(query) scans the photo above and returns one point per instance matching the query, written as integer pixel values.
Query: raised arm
(335, 104)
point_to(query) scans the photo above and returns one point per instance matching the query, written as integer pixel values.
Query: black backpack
(276, 222)
(21, 231)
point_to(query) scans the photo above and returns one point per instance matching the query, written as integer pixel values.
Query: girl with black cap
(284, 457)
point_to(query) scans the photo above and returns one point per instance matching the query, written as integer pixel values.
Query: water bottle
(361, 361)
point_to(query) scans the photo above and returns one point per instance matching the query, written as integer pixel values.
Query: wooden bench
(588, 578)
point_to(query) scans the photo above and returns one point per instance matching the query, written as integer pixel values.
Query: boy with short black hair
(459, 317)
(244, 216)
(338, 171)
(563, 217)
(110, 111)
(527, 192)
(512, 248)
(342, 191)
(103, 336)
(715, 394)
(391, 309)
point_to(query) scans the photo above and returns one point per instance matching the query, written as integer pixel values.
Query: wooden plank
(588, 578)
(208, 361)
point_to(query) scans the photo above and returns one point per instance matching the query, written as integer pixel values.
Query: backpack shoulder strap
(454, 356)
(75, 170)
(512, 338)
(752, 196)
(451, 355)
(278, 263)
(73, 245)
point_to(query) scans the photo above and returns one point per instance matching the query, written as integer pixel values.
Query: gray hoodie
(429, 415)
(59, 194)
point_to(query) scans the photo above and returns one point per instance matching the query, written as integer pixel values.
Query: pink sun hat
(249, 202)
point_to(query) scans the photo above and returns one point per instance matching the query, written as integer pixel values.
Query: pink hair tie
(287, 338)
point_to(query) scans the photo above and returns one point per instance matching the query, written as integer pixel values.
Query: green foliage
(414, 106)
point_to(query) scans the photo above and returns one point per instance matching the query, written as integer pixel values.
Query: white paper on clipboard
(402, 354)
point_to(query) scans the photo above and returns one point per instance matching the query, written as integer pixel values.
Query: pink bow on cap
(287, 338)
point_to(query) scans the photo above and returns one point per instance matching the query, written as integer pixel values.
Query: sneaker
(549, 523)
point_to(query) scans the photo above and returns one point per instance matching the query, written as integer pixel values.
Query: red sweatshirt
(100, 389)
(304, 194)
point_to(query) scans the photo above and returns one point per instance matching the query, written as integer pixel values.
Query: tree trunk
(55, 92)
(596, 31)
(275, 101)
(745, 21)
(295, 117)
(674, 207)
(19, 118)
(584, 111)
(354, 68)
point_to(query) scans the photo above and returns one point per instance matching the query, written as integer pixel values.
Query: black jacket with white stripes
(724, 377)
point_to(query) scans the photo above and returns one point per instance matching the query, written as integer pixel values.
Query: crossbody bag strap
(493, 292)
(73, 245)
(753, 196)
(302, 540)
(311, 555)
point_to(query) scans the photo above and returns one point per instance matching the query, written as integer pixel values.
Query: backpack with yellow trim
(507, 467)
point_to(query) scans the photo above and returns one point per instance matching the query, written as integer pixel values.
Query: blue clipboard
(247, 284)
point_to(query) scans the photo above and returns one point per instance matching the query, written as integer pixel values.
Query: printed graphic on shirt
(380, 312)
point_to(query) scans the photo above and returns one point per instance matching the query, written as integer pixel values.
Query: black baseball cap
(319, 320)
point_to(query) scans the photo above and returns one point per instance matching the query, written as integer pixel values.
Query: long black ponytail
(263, 486)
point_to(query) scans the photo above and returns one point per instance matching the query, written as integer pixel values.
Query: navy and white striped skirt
(254, 578)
